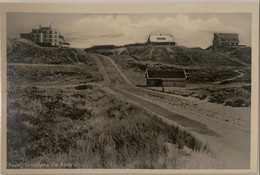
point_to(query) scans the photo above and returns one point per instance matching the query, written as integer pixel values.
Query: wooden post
(162, 87)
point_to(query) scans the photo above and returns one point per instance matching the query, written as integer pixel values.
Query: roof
(161, 38)
(45, 28)
(65, 43)
(227, 36)
(166, 74)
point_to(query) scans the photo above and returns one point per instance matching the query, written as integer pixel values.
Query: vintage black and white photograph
(128, 90)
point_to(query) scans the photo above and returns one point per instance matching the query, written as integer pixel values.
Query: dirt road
(241, 74)
(230, 142)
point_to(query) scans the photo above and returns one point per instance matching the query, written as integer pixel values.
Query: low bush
(236, 97)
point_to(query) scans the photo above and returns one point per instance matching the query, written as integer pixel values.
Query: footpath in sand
(226, 129)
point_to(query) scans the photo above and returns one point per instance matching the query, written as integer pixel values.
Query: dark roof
(227, 36)
(166, 74)
(65, 43)
(45, 28)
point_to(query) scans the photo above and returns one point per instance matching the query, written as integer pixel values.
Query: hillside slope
(177, 55)
(25, 51)
(243, 54)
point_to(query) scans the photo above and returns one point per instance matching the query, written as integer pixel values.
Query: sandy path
(206, 121)
(230, 79)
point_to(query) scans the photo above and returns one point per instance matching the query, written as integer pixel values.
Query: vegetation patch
(229, 96)
(195, 75)
(52, 74)
(83, 87)
(25, 51)
(236, 97)
(88, 129)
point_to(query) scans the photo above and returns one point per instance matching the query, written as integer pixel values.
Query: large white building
(45, 36)
(160, 40)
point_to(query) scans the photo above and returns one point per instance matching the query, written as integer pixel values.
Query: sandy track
(230, 143)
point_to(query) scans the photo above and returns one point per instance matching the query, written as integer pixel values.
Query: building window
(161, 38)
(45, 31)
(45, 36)
(38, 40)
(45, 40)
(55, 40)
(50, 36)
(55, 36)
(38, 35)
(55, 32)
(50, 31)
(50, 39)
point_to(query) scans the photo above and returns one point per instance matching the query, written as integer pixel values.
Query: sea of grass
(57, 122)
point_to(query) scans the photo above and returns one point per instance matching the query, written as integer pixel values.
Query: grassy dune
(59, 117)
(135, 70)
(86, 127)
(52, 74)
(175, 55)
(25, 51)
(228, 96)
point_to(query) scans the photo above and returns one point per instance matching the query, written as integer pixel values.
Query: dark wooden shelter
(166, 78)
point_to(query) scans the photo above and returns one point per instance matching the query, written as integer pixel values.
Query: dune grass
(52, 74)
(88, 128)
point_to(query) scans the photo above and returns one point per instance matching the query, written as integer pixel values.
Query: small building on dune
(166, 78)
(160, 40)
(225, 39)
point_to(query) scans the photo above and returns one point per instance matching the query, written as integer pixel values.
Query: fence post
(162, 87)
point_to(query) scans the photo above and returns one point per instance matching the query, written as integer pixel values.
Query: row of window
(228, 44)
(227, 39)
(55, 36)
(38, 31)
(45, 40)
(161, 38)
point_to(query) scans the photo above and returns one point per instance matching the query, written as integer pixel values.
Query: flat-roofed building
(166, 78)
(160, 40)
(45, 36)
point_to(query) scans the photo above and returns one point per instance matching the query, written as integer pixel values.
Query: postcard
(129, 88)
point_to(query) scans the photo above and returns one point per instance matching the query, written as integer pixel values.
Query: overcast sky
(85, 30)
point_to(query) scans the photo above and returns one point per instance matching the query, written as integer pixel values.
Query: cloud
(121, 29)
(86, 30)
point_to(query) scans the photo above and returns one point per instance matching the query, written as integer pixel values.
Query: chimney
(40, 26)
(50, 25)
